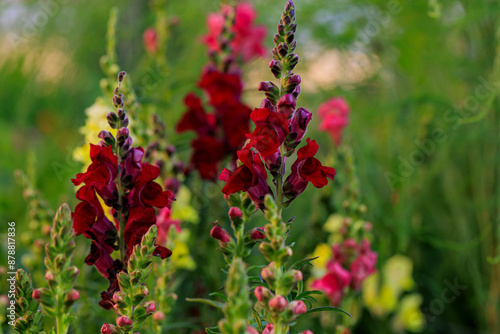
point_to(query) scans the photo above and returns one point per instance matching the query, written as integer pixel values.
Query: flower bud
(112, 119)
(36, 295)
(262, 294)
(252, 330)
(220, 234)
(298, 307)
(276, 68)
(307, 332)
(257, 234)
(73, 295)
(124, 321)
(48, 276)
(278, 303)
(269, 329)
(285, 254)
(282, 49)
(108, 329)
(121, 135)
(268, 272)
(122, 114)
(235, 212)
(117, 101)
(107, 138)
(281, 30)
(121, 76)
(151, 308)
(159, 316)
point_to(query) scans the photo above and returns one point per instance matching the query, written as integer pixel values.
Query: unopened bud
(235, 212)
(220, 234)
(48, 276)
(307, 332)
(121, 76)
(298, 307)
(159, 316)
(262, 294)
(122, 135)
(112, 119)
(124, 322)
(108, 329)
(36, 294)
(276, 68)
(151, 308)
(252, 330)
(107, 138)
(278, 303)
(73, 295)
(267, 273)
(257, 234)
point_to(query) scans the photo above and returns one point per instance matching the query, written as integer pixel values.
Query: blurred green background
(421, 77)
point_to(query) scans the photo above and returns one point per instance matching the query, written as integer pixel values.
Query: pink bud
(151, 308)
(252, 330)
(73, 295)
(262, 293)
(278, 303)
(150, 40)
(108, 329)
(267, 273)
(307, 332)
(220, 234)
(235, 212)
(269, 329)
(257, 234)
(298, 307)
(124, 321)
(297, 276)
(49, 276)
(36, 294)
(159, 316)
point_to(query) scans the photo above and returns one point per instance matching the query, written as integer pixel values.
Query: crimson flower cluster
(220, 133)
(279, 128)
(118, 176)
(351, 264)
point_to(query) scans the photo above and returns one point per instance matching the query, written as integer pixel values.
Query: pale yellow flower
(409, 317)
(181, 208)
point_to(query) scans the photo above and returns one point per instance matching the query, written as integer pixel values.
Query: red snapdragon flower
(270, 132)
(250, 176)
(307, 169)
(334, 116)
(195, 118)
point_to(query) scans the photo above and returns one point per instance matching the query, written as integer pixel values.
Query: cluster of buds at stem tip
(118, 120)
(61, 275)
(28, 318)
(130, 304)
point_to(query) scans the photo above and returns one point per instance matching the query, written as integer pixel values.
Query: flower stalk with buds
(57, 299)
(130, 301)
(28, 316)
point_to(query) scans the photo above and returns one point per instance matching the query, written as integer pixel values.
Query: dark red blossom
(208, 152)
(307, 169)
(250, 176)
(222, 88)
(147, 193)
(102, 170)
(195, 117)
(270, 132)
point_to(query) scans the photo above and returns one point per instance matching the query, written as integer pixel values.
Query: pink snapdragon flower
(351, 264)
(334, 283)
(248, 37)
(334, 116)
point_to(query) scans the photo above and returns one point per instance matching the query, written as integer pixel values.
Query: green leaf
(325, 308)
(299, 263)
(308, 293)
(213, 303)
(220, 295)
(258, 322)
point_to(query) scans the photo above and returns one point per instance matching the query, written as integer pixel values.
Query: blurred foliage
(412, 71)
